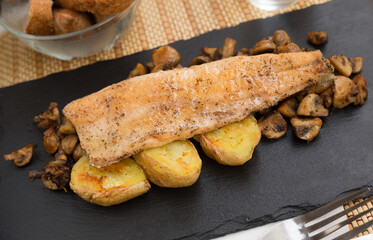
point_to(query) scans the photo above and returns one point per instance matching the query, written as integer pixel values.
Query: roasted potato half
(233, 144)
(109, 185)
(173, 165)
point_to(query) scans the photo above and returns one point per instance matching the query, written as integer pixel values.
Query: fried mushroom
(229, 47)
(200, 60)
(288, 48)
(166, 55)
(317, 38)
(306, 128)
(34, 174)
(288, 108)
(48, 118)
(51, 140)
(21, 157)
(327, 97)
(78, 152)
(272, 125)
(264, 46)
(362, 89)
(312, 106)
(281, 37)
(210, 52)
(162, 67)
(356, 64)
(341, 64)
(137, 71)
(66, 127)
(345, 92)
(68, 143)
(243, 52)
(57, 174)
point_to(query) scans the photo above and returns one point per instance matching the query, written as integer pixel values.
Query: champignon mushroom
(280, 37)
(327, 97)
(344, 89)
(306, 128)
(150, 66)
(288, 48)
(57, 174)
(323, 84)
(34, 174)
(66, 127)
(60, 155)
(21, 157)
(78, 152)
(312, 106)
(137, 71)
(264, 46)
(362, 89)
(273, 125)
(200, 60)
(308, 90)
(243, 52)
(68, 143)
(166, 55)
(317, 38)
(229, 47)
(210, 52)
(51, 140)
(218, 54)
(341, 64)
(356, 64)
(288, 108)
(162, 67)
(48, 118)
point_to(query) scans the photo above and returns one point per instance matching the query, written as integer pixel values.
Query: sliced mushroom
(60, 155)
(341, 64)
(317, 38)
(344, 89)
(150, 66)
(34, 174)
(210, 52)
(327, 97)
(273, 125)
(288, 48)
(166, 55)
(302, 94)
(362, 89)
(312, 106)
(288, 108)
(162, 67)
(229, 47)
(218, 54)
(243, 52)
(22, 156)
(306, 128)
(51, 140)
(48, 118)
(356, 64)
(264, 46)
(66, 127)
(323, 84)
(137, 71)
(78, 152)
(200, 60)
(68, 143)
(57, 174)
(280, 37)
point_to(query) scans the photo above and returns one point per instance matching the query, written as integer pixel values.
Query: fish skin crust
(155, 109)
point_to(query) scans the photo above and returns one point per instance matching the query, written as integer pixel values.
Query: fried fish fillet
(155, 109)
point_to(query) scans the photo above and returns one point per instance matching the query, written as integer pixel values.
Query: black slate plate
(285, 177)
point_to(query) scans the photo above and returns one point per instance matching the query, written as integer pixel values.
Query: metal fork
(302, 228)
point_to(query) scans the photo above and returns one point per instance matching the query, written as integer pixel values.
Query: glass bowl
(83, 43)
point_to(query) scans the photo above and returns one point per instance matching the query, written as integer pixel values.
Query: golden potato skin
(109, 185)
(233, 144)
(173, 165)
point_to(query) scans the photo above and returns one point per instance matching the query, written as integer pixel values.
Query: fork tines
(311, 216)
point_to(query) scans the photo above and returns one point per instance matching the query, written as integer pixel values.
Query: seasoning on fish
(155, 109)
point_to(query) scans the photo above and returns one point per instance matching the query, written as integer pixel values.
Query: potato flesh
(108, 185)
(178, 155)
(233, 144)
